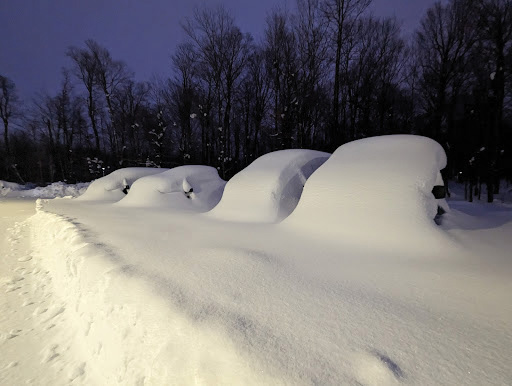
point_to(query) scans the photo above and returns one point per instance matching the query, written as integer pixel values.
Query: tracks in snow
(31, 316)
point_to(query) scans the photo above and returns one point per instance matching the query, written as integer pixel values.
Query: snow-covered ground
(54, 190)
(147, 296)
(31, 317)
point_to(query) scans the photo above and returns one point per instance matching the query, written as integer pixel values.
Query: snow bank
(186, 299)
(123, 331)
(192, 187)
(269, 188)
(7, 187)
(109, 188)
(55, 190)
(375, 190)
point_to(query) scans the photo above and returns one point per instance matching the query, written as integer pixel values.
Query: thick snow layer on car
(192, 187)
(110, 187)
(269, 188)
(374, 190)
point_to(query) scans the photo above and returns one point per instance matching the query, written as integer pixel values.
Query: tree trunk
(6, 137)
(92, 117)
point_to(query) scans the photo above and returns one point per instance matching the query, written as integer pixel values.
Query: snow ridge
(125, 334)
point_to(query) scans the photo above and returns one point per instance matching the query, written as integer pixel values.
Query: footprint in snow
(50, 354)
(49, 327)
(375, 368)
(39, 311)
(13, 334)
(55, 313)
(12, 289)
(11, 365)
(77, 372)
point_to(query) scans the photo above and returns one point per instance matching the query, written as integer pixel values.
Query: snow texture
(110, 187)
(54, 190)
(380, 186)
(6, 187)
(100, 294)
(189, 299)
(268, 189)
(191, 187)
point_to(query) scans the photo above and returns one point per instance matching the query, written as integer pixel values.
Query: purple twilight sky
(143, 33)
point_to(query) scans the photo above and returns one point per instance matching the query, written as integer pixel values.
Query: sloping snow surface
(110, 187)
(129, 295)
(269, 188)
(191, 187)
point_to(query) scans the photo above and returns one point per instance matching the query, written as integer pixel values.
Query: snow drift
(125, 331)
(192, 187)
(110, 187)
(54, 190)
(269, 188)
(375, 190)
(57, 190)
(6, 187)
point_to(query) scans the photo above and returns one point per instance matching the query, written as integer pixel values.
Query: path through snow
(32, 338)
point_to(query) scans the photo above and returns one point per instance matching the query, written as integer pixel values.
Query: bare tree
(374, 76)
(495, 34)
(183, 97)
(445, 37)
(86, 69)
(312, 47)
(341, 16)
(45, 118)
(131, 103)
(223, 51)
(255, 99)
(109, 78)
(8, 105)
(282, 67)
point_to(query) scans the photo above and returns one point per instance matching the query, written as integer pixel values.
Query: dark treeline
(328, 74)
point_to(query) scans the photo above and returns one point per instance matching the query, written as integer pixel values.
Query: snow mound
(375, 190)
(269, 189)
(57, 190)
(110, 187)
(54, 190)
(125, 331)
(7, 187)
(192, 187)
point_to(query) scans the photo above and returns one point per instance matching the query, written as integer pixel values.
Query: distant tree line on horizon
(328, 74)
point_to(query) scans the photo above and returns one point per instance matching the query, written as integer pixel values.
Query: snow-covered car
(192, 187)
(375, 188)
(111, 186)
(269, 188)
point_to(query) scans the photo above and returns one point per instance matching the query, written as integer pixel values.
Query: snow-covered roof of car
(269, 188)
(109, 188)
(192, 187)
(373, 189)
